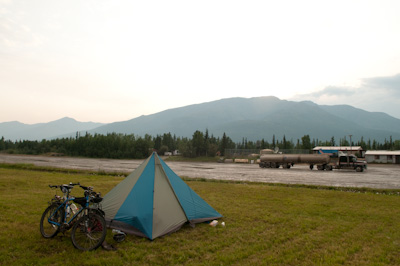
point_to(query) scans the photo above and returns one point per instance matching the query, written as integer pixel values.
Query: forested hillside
(121, 146)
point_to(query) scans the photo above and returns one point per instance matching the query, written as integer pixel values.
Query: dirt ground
(377, 176)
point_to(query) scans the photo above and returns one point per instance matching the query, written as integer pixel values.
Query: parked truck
(322, 161)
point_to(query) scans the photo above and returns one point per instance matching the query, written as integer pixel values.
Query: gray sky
(107, 61)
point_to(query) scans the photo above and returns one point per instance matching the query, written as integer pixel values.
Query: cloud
(378, 94)
(333, 91)
(14, 34)
(390, 84)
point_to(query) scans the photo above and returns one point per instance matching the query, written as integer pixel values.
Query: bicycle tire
(89, 232)
(49, 230)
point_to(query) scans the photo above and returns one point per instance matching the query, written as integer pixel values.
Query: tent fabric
(153, 201)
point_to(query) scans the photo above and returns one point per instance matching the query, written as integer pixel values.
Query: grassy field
(265, 225)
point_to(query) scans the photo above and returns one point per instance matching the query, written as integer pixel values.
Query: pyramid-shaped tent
(153, 201)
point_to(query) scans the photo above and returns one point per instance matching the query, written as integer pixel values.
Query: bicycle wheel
(89, 232)
(47, 229)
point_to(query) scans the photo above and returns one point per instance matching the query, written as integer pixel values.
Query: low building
(170, 153)
(383, 157)
(334, 150)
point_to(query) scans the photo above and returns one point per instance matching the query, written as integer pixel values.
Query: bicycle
(87, 222)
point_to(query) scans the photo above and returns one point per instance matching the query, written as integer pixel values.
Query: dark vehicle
(345, 162)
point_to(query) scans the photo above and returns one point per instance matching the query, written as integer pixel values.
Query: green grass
(265, 225)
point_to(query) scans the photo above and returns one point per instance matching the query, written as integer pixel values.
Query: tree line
(123, 146)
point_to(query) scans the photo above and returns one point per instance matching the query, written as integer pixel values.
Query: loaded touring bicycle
(87, 221)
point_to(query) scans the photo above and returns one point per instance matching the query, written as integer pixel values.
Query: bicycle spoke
(89, 232)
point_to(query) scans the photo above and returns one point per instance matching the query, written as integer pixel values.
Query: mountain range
(19, 131)
(251, 118)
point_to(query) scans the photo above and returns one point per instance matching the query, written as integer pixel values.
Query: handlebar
(86, 188)
(71, 185)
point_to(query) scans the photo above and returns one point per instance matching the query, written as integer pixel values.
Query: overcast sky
(107, 61)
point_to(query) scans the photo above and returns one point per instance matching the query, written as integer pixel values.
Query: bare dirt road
(377, 176)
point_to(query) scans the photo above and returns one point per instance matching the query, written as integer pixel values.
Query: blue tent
(153, 201)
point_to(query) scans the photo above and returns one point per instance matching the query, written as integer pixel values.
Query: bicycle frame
(65, 206)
